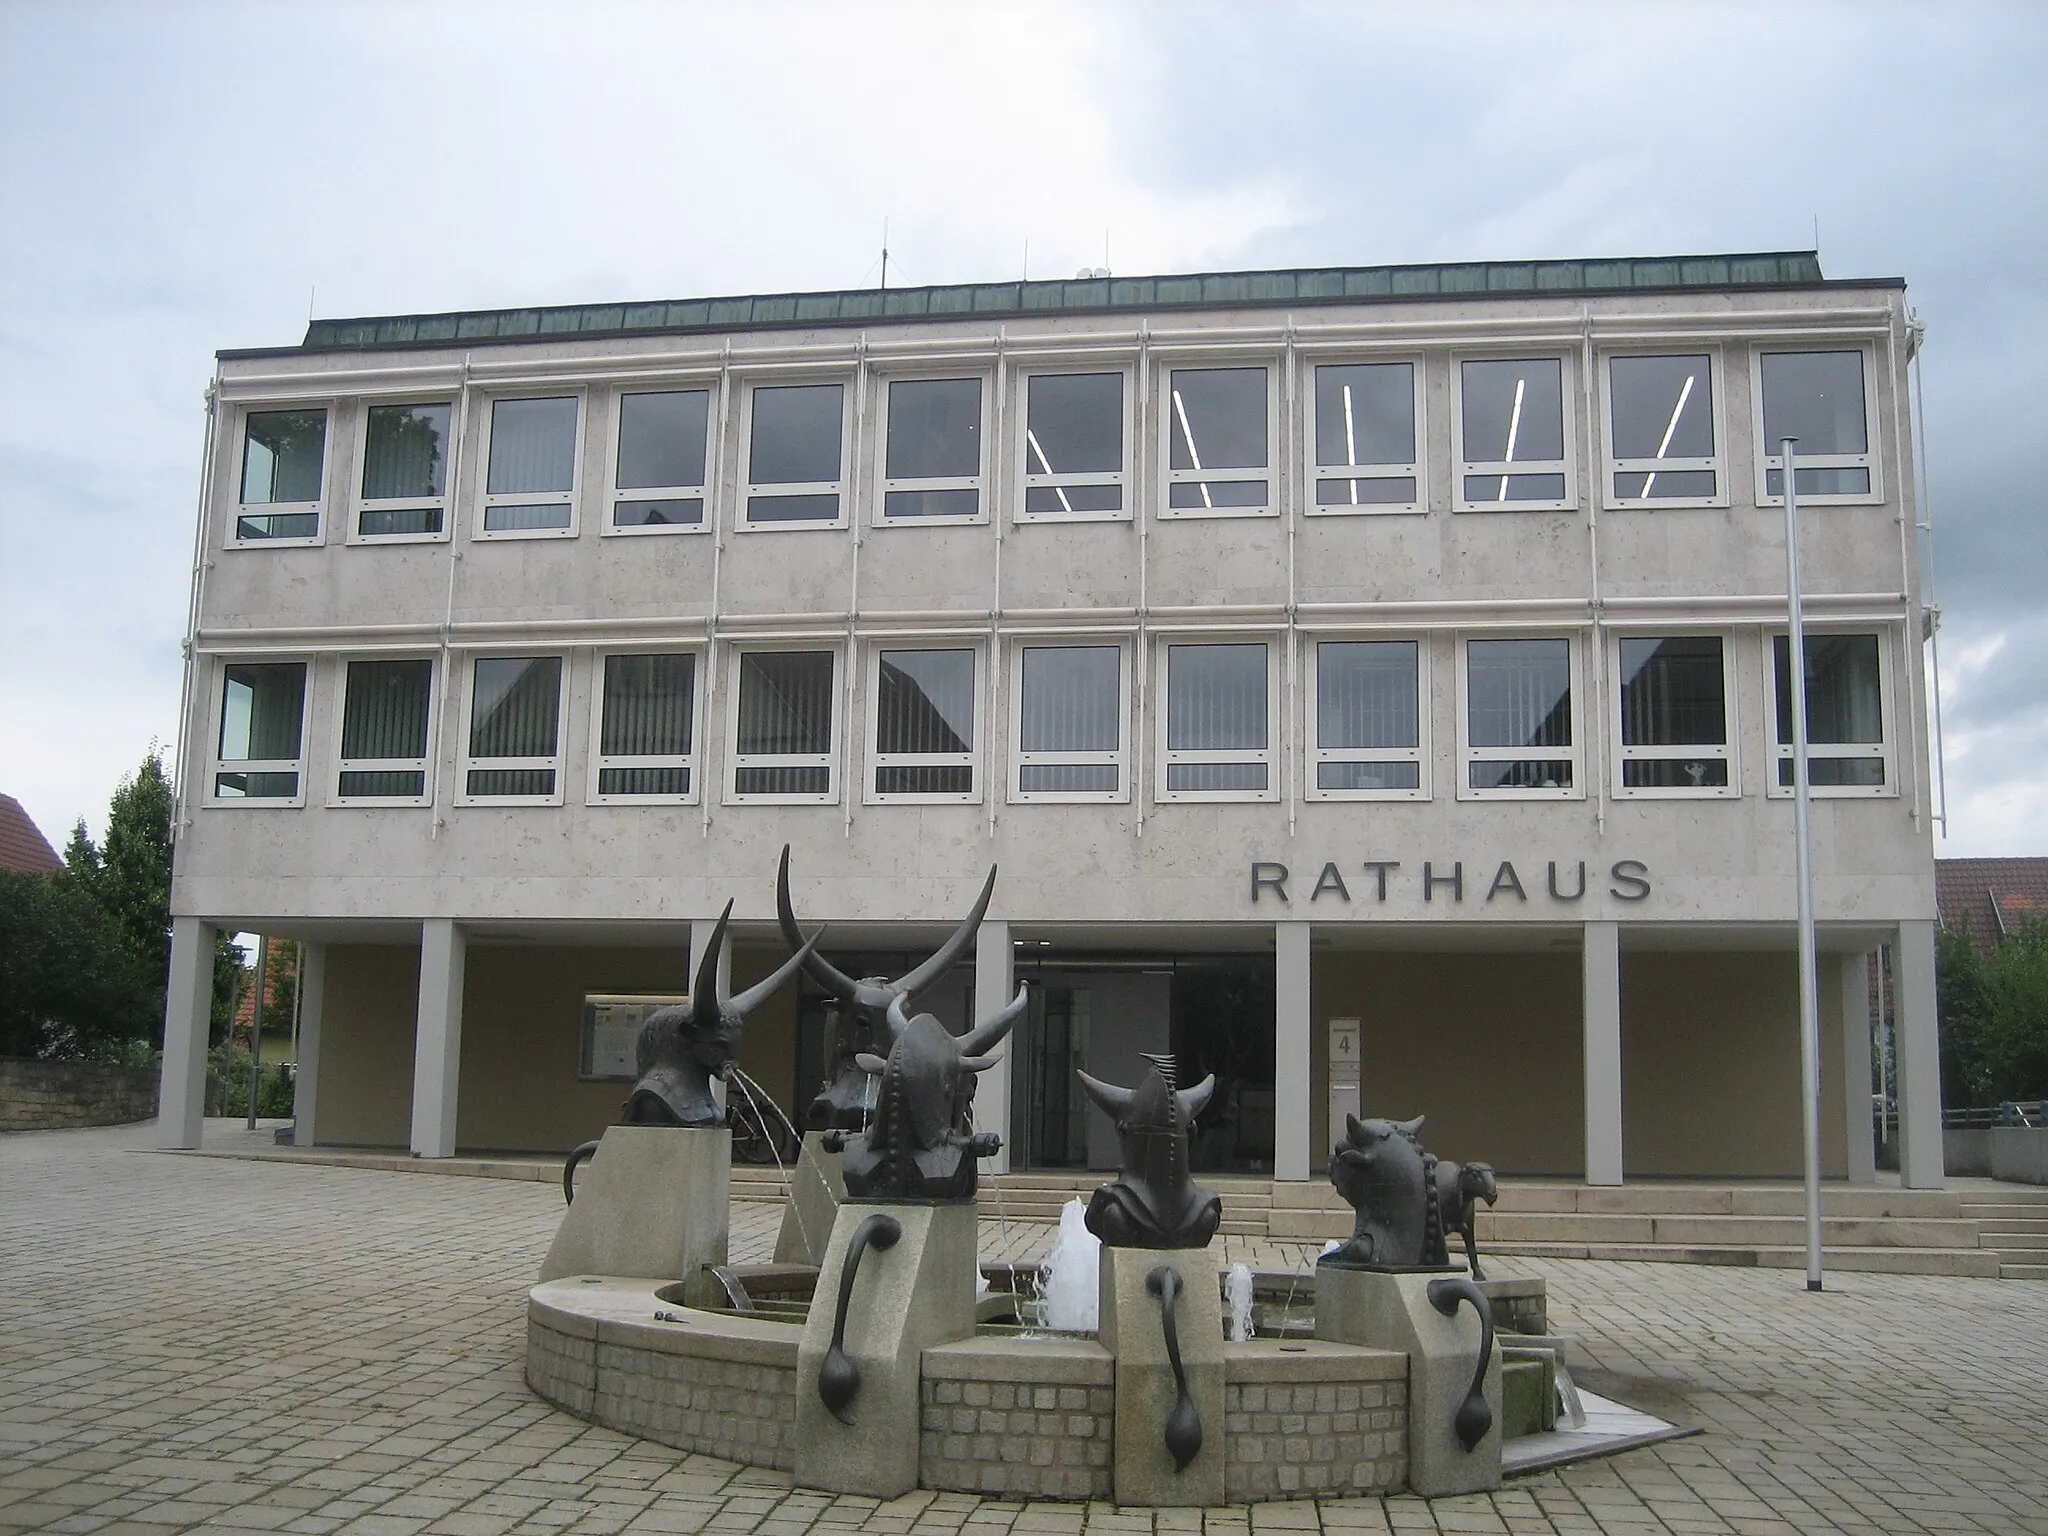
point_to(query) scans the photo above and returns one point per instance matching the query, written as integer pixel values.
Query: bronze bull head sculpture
(1154, 1202)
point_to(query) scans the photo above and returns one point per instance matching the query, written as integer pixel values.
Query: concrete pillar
(188, 1011)
(1291, 1040)
(994, 985)
(1919, 1056)
(1602, 958)
(437, 1043)
(1856, 1121)
(306, 1084)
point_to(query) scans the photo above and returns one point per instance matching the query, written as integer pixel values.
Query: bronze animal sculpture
(1459, 1189)
(1154, 1202)
(864, 1005)
(1387, 1178)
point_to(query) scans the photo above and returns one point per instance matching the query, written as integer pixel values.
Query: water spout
(1068, 1296)
(1237, 1294)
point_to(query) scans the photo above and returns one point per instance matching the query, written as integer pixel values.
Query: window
(1672, 695)
(1663, 436)
(283, 456)
(931, 451)
(1513, 443)
(405, 471)
(1367, 708)
(1848, 745)
(1069, 723)
(530, 478)
(782, 726)
(922, 746)
(1518, 729)
(1075, 428)
(1821, 399)
(658, 475)
(1219, 442)
(644, 728)
(262, 725)
(385, 718)
(515, 738)
(1219, 710)
(795, 449)
(1366, 458)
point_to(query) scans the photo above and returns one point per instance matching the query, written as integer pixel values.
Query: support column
(1602, 958)
(1856, 1123)
(306, 1080)
(1919, 1056)
(1291, 1038)
(994, 985)
(188, 1012)
(437, 1043)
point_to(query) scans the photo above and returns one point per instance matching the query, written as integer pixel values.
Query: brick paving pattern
(193, 1343)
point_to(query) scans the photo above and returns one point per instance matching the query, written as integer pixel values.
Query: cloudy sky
(179, 177)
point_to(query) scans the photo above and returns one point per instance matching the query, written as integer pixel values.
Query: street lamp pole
(1802, 817)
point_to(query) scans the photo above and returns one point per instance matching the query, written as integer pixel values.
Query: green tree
(69, 984)
(1994, 1016)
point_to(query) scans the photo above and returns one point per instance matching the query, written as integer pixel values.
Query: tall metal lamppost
(1802, 816)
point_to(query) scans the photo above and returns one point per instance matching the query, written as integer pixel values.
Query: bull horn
(948, 954)
(816, 966)
(760, 992)
(704, 998)
(1194, 1100)
(1112, 1100)
(985, 1034)
(898, 1020)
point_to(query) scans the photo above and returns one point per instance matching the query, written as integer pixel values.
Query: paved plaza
(202, 1343)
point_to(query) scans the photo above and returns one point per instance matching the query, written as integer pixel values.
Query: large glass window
(1512, 438)
(1848, 743)
(1366, 456)
(405, 470)
(1070, 723)
(1367, 708)
(783, 725)
(283, 456)
(923, 741)
(795, 450)
(646, 724)
(1673, 701)
(262, 726)
(530, 483)
(1519, 731)
(1219, 440)
(1074, 436)
(1219, 740)
(931, 453)
(1662, 446)
(1819, 399)
(384, 724)
(514, 729)
(659, 478)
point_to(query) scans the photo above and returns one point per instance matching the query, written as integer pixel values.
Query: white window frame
(425, 766)
(1568, 466)
(978, 482)
(1620, 753)
(849, 387)
(1121, 478)
(1575, 754)
(1165, 757)
(1767, 456)
(216, 717)
(1315, 753)
(735, 760)
(1170, 423)
(464, 762)
(876, 758)
(1717, 463)
(1317, 473)
(1120, 758)
(358, 504)
(572, 498)
(239, 509)
(692, 760)
(1885, 751)
(613, 495)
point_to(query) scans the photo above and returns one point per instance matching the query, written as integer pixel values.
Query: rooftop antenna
(310, 291)
(1816, 234)
(885, 253)
(1027, 258)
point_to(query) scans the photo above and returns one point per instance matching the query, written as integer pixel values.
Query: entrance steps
(2012, 1221)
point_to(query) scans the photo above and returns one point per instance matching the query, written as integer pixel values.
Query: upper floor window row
(1515, 445)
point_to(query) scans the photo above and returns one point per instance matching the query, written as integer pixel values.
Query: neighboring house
(23, 848)
(1989, 897)
(1388, 659)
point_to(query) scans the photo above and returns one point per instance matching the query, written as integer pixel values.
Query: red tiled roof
(23, 849)
(1989, 896)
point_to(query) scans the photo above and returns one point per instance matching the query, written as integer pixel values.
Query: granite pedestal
(1131, 1330)
(654, 1203)
(816, 1186)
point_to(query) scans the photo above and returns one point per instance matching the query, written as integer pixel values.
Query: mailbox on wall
(1344, 1072)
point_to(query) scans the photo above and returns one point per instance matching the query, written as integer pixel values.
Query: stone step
(2010, 1241)
(2023, 1271)
(1974, 1262)
(1716, 1231)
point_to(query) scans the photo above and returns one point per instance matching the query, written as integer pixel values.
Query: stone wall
(62, 1095)
(1313, 1419)
(1016, 1418)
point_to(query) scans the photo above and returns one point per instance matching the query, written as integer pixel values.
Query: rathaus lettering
(1628, 880)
